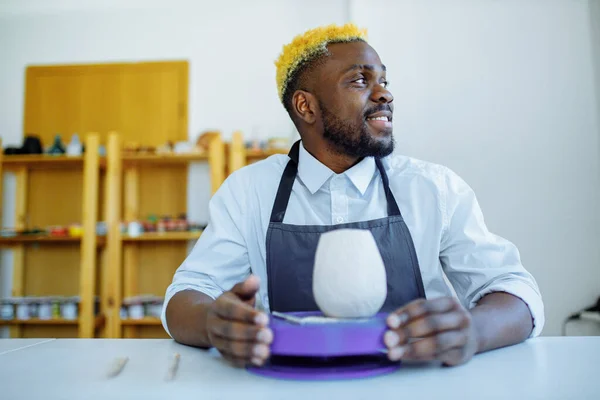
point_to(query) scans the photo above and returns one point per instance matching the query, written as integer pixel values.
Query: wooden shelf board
(99, 320)
(162, 236)
(37, 161)
(250, 153)
(4, 241)
(37, 321)
(143, 321)
(163, 158)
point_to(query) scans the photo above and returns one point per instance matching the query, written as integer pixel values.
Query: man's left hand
(427, 330)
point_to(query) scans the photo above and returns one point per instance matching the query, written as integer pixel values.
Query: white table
(542, 368)
(10, 345)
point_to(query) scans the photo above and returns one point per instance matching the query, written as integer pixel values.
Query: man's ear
(305, 106)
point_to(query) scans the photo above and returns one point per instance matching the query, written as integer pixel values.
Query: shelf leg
(87, 284)
(18, 289)
(113, 240)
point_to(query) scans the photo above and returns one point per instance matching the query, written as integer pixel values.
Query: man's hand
(426, 330)
(236, 328)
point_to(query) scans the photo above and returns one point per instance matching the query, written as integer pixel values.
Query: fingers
(247, 289)
(241, 362)
(419, 308)
(433, 323)
(453, 357)
(247, 352)
(426, 318)
(424, 330)
(229, 306)
(237, 329)
(430, 348)
(241, 331)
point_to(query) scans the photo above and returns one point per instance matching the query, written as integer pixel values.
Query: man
(266, 219)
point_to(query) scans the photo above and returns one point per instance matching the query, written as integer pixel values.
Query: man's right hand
(236, 328)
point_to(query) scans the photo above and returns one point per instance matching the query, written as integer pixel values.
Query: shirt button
(340, 219)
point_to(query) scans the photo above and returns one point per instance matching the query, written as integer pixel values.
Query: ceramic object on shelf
(32, 145)
(57, 147)
(74, 148)
(135, 229)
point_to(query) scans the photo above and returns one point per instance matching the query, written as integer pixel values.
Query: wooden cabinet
(56, 190)
(145, 102)
(144, 264)
(113, 108)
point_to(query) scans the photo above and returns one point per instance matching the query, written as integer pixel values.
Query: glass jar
(69, 308)
(45, 308)
(22, 309)
(7, 309)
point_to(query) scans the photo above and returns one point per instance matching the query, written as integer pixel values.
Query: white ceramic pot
(349, 279)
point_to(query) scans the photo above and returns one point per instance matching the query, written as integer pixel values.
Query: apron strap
(289, 176)
(392, 206)
(286, 184)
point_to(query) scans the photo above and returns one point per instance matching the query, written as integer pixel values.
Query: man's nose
(381, 95)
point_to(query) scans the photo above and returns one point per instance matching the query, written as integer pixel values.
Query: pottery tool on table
(173, 367)
(117, 366)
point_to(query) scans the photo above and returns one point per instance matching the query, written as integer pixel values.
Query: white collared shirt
(441, 211)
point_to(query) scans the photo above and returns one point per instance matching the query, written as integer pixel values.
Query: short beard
(341, 135)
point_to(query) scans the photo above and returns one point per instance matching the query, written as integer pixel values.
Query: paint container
(7, 309)
(45, 308)
(22, 305)
(155, 308)
(69, 308)
(101, 228)
(58, 231)
(136, 308)
(34, 304)
(56, 302)
(76, 230)
(161, 225)
(135, 229)
(8, 232)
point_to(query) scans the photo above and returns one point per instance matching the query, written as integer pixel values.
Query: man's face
(356, 108)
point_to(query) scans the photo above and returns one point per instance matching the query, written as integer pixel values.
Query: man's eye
(360, 80)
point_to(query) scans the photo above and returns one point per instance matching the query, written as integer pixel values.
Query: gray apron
(291, 251)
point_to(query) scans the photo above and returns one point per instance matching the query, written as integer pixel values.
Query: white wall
(231, 47)
(503, 93)
(500, 91)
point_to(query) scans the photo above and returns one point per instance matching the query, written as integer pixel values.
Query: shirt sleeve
(478, 262)
(219, 259)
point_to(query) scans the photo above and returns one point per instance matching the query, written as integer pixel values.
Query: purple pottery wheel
(341, 350)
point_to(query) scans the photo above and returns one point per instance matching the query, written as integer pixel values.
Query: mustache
(380, 107)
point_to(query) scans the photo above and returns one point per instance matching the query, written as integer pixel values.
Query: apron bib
(291, 250)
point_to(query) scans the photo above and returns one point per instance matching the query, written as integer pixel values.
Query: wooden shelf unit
(138, 185)
(150, 321)
(43, 161)
(98, 321)
(32, 239)
(127, 265)
(239, 156)
(162, 237)
(40, 170)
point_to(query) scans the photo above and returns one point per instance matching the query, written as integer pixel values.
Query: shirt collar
(314, 174)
